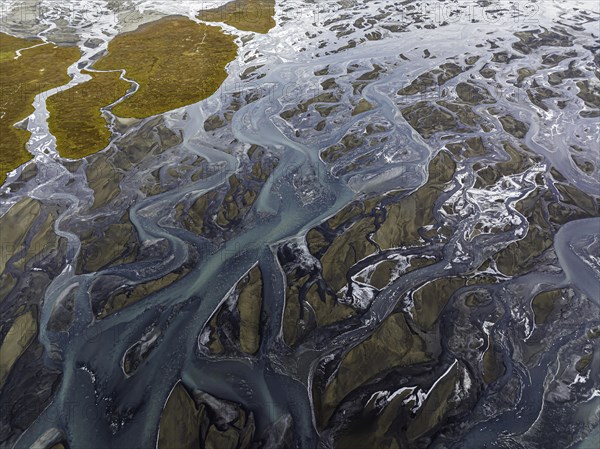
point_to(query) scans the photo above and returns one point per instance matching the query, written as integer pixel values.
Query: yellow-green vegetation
(116, 245)
(245, 15)
(430, 300)
(382, 274)
(362, 106)
(180, 421)
(139, 292)
(406, 217)
(249, 306)
(392, 345)
(35, 71)
(321, 305)
(18, 338)
(327, 309)
(75, 117)
(346, 250)
(15, 226)
(191, 421)
(176, 62)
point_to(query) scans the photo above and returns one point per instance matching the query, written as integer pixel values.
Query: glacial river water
(275, 384)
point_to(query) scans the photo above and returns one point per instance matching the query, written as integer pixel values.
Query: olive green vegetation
(132, 295)
(326, 307)
(513, 126)
(544, 214)
(593, 333)
(346, 214)
(346, 250)
(118, 244)
(240, 197)
(238, 328)
(15, 225)
(408, 216)
(519, 160)
(430, 300)
(544, 303)
(393, 425)
(16, 341)
(180, 421)
(192, 420)
(371, 432)
(362, 106)
(245, 15)
(175, 61)
(322, 307)
(429, 80)
(225, 209)
(36, 70)
(215, 346)
(75, 117)
(584, 362)
(382, 274)
(249, 307)
(392, 345)
(435, 407)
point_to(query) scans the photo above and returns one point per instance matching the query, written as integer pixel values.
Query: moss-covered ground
(75, 114)
(37, 70)
(175, 61)
(245, 15)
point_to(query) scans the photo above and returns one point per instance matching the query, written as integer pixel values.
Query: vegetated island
(175, 62)
(28, 67)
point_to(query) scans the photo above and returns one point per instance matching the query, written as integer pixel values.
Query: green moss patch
(35, 71)
(430, 300)
(544, 303)
(249, 307)
(392, 345)
(245, 15)
(75, 116)
(16, 341)
(176, 62)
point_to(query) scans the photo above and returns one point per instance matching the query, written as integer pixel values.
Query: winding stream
(98, 405)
